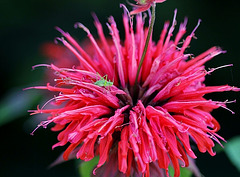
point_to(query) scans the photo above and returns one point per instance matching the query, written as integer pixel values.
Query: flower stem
(146, 44)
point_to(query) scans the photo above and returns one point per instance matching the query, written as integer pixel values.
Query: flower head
(141, 130)
(143, 5)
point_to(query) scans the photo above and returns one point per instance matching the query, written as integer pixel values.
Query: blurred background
(26, 25)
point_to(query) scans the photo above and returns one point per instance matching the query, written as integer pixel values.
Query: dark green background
(25, 25)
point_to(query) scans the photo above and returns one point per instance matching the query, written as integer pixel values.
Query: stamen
(125, 9)
(220, 67)
(43, 124)
(184, 24)
(213, 137)
(80, 25)
(199, 21)
(61, 31)
(47, 103)
(189, 38)
(174, 22)
(59, 39)
(39, 65)
(181, 32)
(222, 105)
(165, 46)
(131, 4)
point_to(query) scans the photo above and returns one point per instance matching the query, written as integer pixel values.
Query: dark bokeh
(26, 25)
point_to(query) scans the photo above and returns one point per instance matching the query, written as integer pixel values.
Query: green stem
(146, 45)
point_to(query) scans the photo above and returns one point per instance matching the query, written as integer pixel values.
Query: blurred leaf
(86, 168)
(15, 105)
(232, 149)
(184, 172)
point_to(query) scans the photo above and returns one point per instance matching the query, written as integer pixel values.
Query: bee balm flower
(134, 129)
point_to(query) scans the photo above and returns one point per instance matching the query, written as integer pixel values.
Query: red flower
(143, 5)
(139, 130)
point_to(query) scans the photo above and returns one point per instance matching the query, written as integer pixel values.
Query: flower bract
(143, 5)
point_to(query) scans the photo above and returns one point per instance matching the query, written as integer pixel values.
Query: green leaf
(232, 149)
(16, 104)
(86, 168)
(184, 172)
